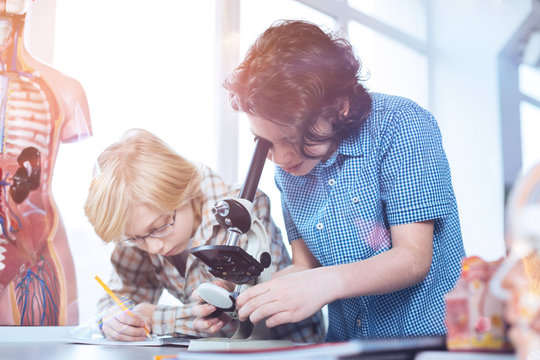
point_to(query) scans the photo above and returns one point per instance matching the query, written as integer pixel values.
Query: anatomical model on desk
(230, 262)
(518, 280)
(494, 296)
(474, 315)
(39, 108)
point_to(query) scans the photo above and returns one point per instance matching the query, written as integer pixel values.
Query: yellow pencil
(119, 302)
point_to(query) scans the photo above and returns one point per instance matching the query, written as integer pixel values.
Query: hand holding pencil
(124, 324)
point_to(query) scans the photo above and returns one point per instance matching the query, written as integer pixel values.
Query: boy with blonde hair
(155, 205)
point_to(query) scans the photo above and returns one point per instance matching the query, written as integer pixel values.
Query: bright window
(529, 86)
(392, 67)
(407, 16)
(529, 81)
(146, 64)
(530, 129)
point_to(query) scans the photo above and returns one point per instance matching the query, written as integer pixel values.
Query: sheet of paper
(100, 340)
(93, 337)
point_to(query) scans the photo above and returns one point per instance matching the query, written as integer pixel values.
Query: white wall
(467, 36)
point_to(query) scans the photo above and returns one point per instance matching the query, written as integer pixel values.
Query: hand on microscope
(284, 299)
(292, 295)
(205, 322)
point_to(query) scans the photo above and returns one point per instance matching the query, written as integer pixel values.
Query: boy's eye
(255, 138)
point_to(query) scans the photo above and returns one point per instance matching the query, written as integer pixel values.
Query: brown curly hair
(295, 74)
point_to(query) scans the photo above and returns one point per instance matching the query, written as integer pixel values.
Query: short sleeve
(415, 176)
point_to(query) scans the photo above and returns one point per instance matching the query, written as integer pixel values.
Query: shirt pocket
(367, 218)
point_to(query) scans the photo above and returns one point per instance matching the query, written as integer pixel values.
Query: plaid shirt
(141, 276)
(392, 171)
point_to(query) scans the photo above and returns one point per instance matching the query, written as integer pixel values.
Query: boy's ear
(344, 107)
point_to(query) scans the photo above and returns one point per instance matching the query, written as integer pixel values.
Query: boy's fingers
(203, 310)
(195, 295)
(122, 332)
(204, 324)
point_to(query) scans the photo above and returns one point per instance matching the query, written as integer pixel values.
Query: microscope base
(227, 344)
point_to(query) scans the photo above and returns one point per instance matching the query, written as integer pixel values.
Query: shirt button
(320, 226)
(355, 199)
(358, 322)
(331, 182)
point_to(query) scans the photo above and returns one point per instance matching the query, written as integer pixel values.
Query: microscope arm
(230, 262)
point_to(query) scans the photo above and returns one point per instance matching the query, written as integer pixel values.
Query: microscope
(231, 262)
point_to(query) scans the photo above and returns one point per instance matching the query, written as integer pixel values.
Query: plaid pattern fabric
(142, 277)
(392, 171)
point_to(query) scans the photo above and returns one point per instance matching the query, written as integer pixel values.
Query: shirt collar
(351, 146)
(354, 144)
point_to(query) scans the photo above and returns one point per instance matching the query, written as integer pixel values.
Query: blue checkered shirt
(392, 171)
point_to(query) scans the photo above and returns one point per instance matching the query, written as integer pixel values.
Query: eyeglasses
(162, 231)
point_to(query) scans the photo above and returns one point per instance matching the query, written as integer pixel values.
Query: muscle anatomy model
(39, 108)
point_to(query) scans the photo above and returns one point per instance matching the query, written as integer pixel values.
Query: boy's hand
(119, 325)
(286, 299)
(204, 322)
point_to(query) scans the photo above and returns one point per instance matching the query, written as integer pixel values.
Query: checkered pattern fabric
(142, 277)
(392, 171)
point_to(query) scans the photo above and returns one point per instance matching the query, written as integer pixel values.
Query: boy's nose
(153, 245)
(280, 155)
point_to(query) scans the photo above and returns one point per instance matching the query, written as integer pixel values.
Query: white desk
(448, 355)
(44, 343)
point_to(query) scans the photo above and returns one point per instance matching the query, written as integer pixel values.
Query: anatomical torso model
(39, 108)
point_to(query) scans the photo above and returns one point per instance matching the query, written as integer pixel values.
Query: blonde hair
(138, 169)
